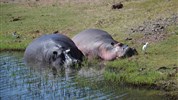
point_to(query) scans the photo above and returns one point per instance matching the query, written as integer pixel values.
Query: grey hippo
(54, 50)
(96, 43)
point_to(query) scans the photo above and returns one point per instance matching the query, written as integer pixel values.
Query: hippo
(54, 50)
(96, 43)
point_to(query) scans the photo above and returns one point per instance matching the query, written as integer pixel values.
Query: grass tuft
(131, 72)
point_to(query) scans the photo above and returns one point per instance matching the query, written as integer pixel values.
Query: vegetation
(32, 19)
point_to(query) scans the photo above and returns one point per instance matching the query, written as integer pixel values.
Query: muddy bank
(156, 26)
(168, 88)
(155, 30)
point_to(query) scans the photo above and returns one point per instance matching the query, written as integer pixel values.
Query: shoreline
(163, 88)
(12, 50)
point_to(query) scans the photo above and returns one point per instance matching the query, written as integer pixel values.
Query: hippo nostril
(120, 44)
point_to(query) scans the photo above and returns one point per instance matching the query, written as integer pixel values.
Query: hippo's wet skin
(55, 50)
(98, 43)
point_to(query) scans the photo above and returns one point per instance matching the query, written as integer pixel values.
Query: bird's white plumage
(15, 35)
(145, 47)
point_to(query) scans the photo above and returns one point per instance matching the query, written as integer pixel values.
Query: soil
(151, 38)
(156, 26)
(155, 30)
(48, 2)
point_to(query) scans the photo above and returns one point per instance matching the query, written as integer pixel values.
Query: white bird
(145, 47)
(15, 35)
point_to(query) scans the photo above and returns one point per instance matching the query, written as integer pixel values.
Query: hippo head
(122, 50)
(69, 60)
(115, 50)
(61, 58)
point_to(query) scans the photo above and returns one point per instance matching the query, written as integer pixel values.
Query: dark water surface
(19, 82)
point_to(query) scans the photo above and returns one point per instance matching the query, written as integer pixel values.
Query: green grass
(132, 72)
(71, 18)
(144, 68)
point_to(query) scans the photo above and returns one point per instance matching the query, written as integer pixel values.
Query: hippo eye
(54, 55)
(55, 52)
(112, 43)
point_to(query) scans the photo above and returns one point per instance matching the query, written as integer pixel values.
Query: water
(19, 82)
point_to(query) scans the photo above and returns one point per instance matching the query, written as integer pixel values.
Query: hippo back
(92, 35)
(90, 39)
(98, 43)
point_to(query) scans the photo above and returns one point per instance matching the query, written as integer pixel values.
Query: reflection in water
(18, 81)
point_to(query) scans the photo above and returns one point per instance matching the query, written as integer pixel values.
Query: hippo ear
(68, 50)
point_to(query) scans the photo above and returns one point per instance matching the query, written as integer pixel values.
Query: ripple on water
(19, 82)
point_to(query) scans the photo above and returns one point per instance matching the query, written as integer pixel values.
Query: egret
(145, 47)
(14, 34)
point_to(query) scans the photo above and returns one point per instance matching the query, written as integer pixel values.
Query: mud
(151, 38)
(156, 26)
(154, 31)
